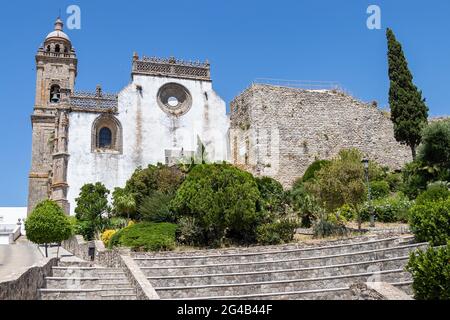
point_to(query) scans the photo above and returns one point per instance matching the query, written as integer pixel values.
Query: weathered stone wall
(281, 130)
(25, 286)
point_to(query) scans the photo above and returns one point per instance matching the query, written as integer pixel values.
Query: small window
(48, 48)
(105, 138)
(57, 48)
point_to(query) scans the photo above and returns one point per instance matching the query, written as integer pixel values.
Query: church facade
(161, 116)
(169, 109)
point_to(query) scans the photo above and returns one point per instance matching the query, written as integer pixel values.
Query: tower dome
(58, 33)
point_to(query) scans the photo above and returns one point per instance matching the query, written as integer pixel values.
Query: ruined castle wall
(310, 125)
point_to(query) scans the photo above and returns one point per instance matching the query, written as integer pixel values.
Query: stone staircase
(81, 280)
(279, 272)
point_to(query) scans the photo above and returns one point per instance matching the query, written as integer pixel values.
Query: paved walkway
(16, 258)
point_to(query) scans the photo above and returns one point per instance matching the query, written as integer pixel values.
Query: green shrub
(276, 232)
(86, 229)
(155, 208)
(430, 270)
(430, 222)
(328, 226)
(161, 178)
(379, 189)
(394, 180)
(415, 179)
(391, 209)
(48, 224)
(273, 197)
(146, 236)
(304, 204)
(223, 201)
(189, 232)
(347, 212)
(117, 223)
(313, 168)
(434, 192)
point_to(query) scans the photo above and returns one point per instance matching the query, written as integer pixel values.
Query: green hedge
(434, 192)
(379, 189)
(430, 222)
(146, 236)
(276, 232)
(431, 273)
(392, 209)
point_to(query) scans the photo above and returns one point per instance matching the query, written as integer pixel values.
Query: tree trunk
(414, 152)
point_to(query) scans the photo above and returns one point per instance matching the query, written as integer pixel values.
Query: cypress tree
(409, 112)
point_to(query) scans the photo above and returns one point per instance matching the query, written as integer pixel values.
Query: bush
(329, 227)
(431, 273)
(346, 212)
(189, 232)
(430, 222)
(395, 181)
(117, 223)
(304, 204)
(48, 224)
(313, 168)
(107, 235)
(415, 179)
(434, 150)
(276, 232)
(392, 209)
(434, 192)
(155, 208)
(379, 189)
(86, 229)
(223, 200)
(273, 197)
(161, 178)
(146, 236)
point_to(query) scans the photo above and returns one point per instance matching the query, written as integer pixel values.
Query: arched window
(105, 138)
(55, 93)
(107, 134)
(48, 48)
(57, 48)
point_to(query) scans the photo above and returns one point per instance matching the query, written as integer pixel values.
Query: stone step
(405, 286)
(75, 263)
(85, 294)
(257, 255)
(86, 283)
(288, 263)
(240, 289)
(322, 294)
(87, 272)
(277, 275)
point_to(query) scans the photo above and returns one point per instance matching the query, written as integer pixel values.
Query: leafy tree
(92, 209)
(313, 168)
(48, 224)
(409, 112)
(223, 200)
(160, 178)
(434, 152)
(341, 182)
(124, 203)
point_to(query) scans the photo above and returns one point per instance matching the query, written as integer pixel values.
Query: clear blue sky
(305, 40)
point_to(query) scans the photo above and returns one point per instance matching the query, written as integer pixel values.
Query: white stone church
(161, 116)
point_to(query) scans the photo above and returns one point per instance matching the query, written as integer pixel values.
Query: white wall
(11, 215)
(147, 132)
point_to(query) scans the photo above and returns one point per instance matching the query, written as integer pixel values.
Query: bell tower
(56, 71)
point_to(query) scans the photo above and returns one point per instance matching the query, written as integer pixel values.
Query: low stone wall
(144, 289)
(104, 257)
(26, 285)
